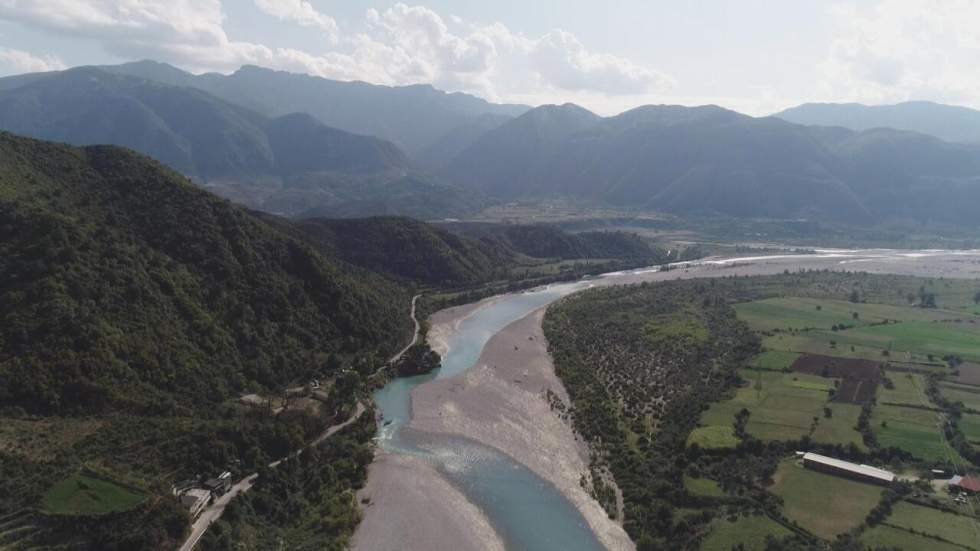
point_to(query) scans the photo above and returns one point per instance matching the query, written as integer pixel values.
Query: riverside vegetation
(694, 395)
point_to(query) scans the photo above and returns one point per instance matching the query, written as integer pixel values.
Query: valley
(445, 284)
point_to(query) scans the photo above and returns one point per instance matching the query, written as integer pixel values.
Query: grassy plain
(953, 528)
(883, 536)
(750, 531)
(823, 504)
(783, 406)
(84, 495)
(713, 437)
(702, 487)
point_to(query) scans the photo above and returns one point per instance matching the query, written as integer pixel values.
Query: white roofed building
(839, 467)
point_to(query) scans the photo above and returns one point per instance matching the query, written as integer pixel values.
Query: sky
(755, 56)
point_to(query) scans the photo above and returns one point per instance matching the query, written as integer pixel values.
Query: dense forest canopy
(125, 286)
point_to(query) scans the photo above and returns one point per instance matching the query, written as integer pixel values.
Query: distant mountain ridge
(712, 160)
(414, 117)
(286, 164)
(947, 122)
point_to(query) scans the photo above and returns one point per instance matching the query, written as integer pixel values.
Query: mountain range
(305, 146)
(288, 164)
(951, 123)
(711, 160)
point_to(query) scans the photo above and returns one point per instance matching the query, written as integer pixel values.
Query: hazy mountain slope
(414, 117)
(185, 128)
(126, 287)
(947, 122)
(502, 162)
(714, 161)
(441, 152)
(285, 165)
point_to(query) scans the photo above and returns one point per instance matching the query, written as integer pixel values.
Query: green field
(783, 408)
(84, 495)
(750, 531)
(961, 393)
(970, 427)
(823, 504)
(840, 427)
(894, 538)
(702, 487)
(775, 360)
(909, 389)
(713, 437)
(813, 313)
(911, 429)
(957, 529)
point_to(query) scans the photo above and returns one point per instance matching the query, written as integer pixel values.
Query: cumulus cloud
(19, 61)
(399, 45)
(895, 50)
(301, 12)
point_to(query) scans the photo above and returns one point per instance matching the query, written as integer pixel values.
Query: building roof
(863, 470)
(969, 482)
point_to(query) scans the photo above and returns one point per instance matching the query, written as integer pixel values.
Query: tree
(976, 298)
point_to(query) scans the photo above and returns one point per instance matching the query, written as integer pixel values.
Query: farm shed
(846, 469)
(968, 484)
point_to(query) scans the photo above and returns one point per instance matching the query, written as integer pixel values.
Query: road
(213, 512)
(415, 339)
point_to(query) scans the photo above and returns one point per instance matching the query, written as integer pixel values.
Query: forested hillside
(453, 255)
(137, 310)
(125, 287)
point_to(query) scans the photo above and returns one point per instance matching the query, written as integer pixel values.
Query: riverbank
(503, 402)
(411, 506)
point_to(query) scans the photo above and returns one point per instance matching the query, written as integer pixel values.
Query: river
(526, 511)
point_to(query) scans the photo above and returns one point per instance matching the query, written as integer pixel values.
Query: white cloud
(897, 50)
(301, 12)
(400, 45)
(19, 61)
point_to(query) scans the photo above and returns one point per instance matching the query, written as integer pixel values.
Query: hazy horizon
(755, 57)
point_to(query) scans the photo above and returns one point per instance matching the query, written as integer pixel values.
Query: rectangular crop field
(894, 538)
(914, 430)
(814, 313)
(824, 504)
(961, 393)
(840, 427)
(953, 528)
(909, 389)
(80, 494)
(750, 531)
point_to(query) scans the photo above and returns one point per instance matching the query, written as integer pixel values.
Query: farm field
(911, 429)
(908, 389)
(952, 528)
(750, 531)
(775, 360)
(968, 373)
(916, 337)
(782, 408)
(713, 437)
(825, 505)
(702, 486)
(814, 313)
(969, 425)
(895, 538)
(85, 495)
(970, 396)
(839, 428)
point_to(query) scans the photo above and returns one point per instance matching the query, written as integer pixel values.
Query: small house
(968, 484)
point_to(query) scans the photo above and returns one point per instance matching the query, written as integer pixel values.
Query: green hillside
(125, 287)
